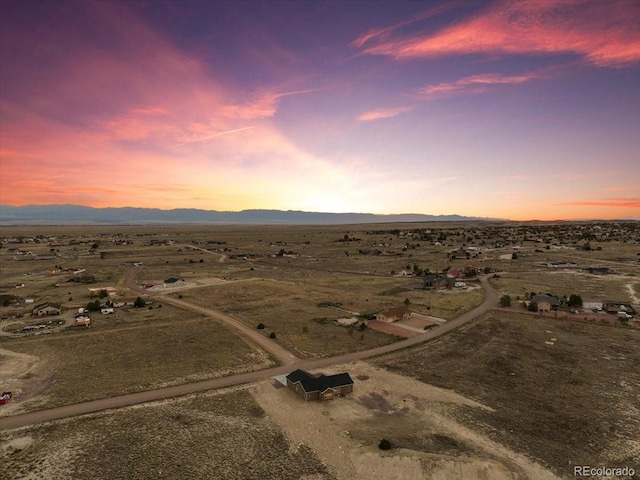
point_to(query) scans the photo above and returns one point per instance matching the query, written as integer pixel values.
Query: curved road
(490, 302)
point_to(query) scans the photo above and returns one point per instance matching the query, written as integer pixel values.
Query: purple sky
(522, 110)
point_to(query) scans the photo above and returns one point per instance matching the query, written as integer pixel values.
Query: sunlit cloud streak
(382, 32)
(604, 33)
(475, 84)
(219, 134)
(609, 202)
(383, 113)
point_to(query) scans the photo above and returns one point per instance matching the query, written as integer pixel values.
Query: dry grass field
(564, 393)
(224, 435)
(559, 283)
(87, 364)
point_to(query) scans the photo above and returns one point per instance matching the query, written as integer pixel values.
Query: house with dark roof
(47, 308)
(319, 387)
(545, 302)
(172, 282)
(436, 281)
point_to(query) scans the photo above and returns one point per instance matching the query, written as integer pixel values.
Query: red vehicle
(6, 396)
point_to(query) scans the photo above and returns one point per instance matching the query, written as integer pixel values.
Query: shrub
(385, 444)
(260, 326)
(93, 306)
(505, 301)
(272, 335)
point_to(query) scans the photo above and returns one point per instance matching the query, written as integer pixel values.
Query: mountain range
(76, 214)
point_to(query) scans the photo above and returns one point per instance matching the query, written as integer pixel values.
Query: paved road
(490, 302)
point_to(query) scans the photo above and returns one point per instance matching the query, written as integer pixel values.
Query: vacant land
(224, 435)
(565, 283)
(564, 393)
(75, 366)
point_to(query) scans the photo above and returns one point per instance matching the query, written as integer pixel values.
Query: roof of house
(545, 298)
(47, 304)
(172, 280)
(395, 311)
(319, 383)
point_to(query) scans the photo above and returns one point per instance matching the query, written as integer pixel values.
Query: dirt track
(292, 362)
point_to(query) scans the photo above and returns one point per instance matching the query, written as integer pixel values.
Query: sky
(508, 109)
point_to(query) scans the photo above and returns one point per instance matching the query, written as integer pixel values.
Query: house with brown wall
(319, 387)
(394, 314)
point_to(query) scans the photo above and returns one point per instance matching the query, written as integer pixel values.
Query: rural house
(319, 387)
(172, 282)
(46, 309)
(436, 281)
(394, 314)
(545, 303)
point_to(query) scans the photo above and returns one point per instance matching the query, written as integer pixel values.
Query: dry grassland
(222, 436)
(85, 365)
(292, 312)
(564, 393)
(589, 287)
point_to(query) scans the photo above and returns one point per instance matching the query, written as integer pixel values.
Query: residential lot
(86, 364)
(224, 435)
(563, 393)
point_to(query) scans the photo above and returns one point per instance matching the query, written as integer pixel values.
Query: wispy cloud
(607, 202)
(219, 134)
(475, 84)
(383, 32)
(603, 33)
(383, 113)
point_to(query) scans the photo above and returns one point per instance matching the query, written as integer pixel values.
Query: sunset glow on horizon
(505, 109)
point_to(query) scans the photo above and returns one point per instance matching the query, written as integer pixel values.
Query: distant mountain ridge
(76, 214)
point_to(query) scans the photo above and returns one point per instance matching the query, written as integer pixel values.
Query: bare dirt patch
(345, 432)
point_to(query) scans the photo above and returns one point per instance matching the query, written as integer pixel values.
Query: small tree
(93, 306)
(139, 303)
(406, 302)
(260, 326)
(103, 293)
(505, 301)
(272, 335)
(575, 300)
(533, 307)
(385, 444)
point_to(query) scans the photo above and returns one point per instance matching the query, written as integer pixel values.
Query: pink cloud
(608, 202)
(475, 83)
(383, 113)
(383, 32)
(604, 33)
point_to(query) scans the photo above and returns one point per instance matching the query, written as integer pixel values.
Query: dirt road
(490, 302)
(222, 256)
(280, 353)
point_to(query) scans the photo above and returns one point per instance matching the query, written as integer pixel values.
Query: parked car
(5, 397)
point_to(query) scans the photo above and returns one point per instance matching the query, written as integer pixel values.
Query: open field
(75, 366)
(224, 435)
(563, 393)
(536, 389)
(303, 313)
(559, 283)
